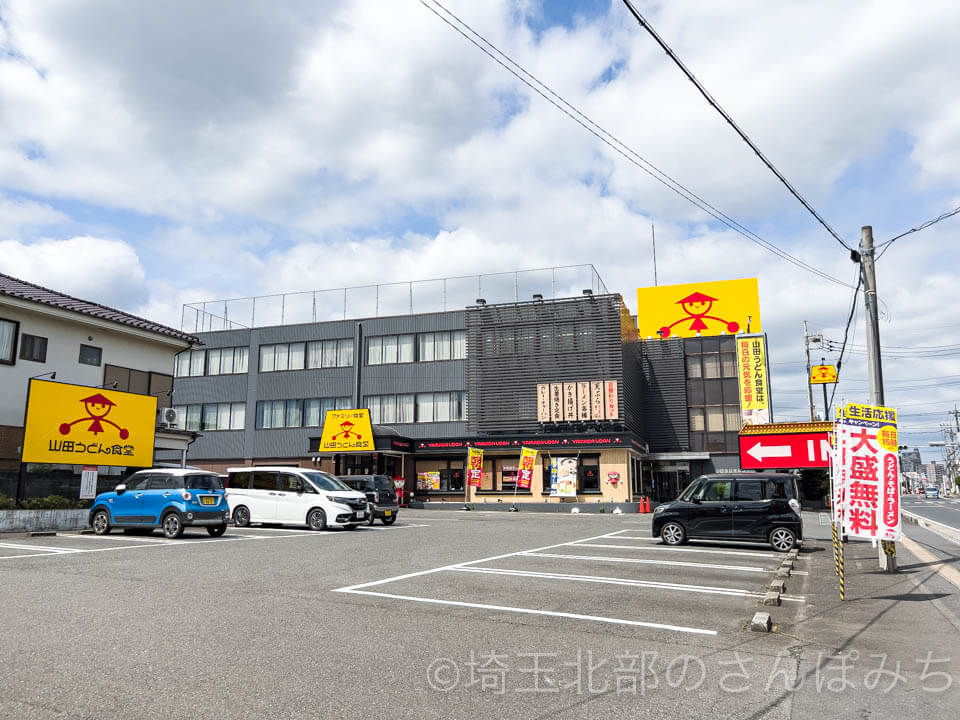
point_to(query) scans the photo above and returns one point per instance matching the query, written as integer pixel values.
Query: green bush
(7, 503)
(51, 502)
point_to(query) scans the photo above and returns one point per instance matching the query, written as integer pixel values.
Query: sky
(156, 154)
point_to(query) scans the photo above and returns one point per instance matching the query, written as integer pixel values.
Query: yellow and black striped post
(836, 548)
(840, 567)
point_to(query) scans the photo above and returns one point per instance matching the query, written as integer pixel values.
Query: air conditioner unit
(170, 418)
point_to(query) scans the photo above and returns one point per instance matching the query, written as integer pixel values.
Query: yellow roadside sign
(823, 374)
(81, 425)
(347, 431)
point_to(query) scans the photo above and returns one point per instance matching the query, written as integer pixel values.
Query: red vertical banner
(475, 467)
(528, 461)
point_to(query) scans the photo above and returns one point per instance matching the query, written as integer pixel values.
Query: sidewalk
(849, 651)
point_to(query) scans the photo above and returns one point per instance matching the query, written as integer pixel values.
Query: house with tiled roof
(49, 335)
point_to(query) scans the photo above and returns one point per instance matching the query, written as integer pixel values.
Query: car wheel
(673, 534)
(101, 522)
(241, 517)
(216, 530)
(350, 527)
(390, 520)
(172, 526)
(317, 519)
(370, 517)
(782, 539)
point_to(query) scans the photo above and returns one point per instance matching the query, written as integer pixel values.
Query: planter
(33, 520)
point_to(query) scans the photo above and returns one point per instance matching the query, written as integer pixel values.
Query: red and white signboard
(780, 446)
(865, 473)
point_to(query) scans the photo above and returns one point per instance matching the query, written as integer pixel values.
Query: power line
(716, 106)
(846, 330)
(918, 228)
(618, 146)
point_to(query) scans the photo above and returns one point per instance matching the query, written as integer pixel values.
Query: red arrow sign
(776, 451)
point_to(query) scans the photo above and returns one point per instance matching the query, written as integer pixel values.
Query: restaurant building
(612, 416)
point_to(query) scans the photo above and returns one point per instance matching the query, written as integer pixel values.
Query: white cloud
(97, 269)
(19, 215)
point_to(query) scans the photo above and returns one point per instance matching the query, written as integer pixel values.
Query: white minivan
(292, 496)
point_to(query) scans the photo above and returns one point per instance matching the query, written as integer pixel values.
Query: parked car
(932, 492)
(747, 507)
(293, 496)
(170, 499)
(381, 495)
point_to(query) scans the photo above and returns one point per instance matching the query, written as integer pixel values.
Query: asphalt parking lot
(444, 614)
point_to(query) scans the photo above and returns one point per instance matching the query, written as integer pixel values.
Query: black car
(381, 496)
(744, 507)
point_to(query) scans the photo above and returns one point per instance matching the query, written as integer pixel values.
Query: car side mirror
(300, 486)
(696, 500)
(120, 489)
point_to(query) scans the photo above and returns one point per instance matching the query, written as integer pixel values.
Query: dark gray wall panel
(665, 418)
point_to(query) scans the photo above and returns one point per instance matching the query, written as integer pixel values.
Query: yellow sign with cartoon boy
(81, 425)
(707, 308)
(347, 431)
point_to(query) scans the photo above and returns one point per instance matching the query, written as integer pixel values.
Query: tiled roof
(35, 293)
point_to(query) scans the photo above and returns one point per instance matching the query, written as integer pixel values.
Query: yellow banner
(752, 376)
(528, 461)
(474, 466)
(823, 374)
(347, 431)
(81, 425)
(707, 308)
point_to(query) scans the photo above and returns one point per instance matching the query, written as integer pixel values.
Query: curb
(950, 532)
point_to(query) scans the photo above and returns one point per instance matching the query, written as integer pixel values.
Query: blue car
(164, 498)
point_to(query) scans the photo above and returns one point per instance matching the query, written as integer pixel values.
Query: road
(943, 510)
(443, 615)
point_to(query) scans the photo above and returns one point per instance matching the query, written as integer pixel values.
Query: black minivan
(743, 507)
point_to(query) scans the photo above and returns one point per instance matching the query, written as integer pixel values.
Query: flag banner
(475, 466)
(528, 461)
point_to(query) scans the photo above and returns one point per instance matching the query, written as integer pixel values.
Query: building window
(227, 361)
(440, 475)
(90, 355)
(390, 349)
(447, 345)
(330, 353)
(590, 474)
(8, 341)
(294, 413)
(213, 416)
(190, 363)
(33, 348)
(422, 407)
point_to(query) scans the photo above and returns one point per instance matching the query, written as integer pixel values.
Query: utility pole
(886, 553)
(826, 405)
(806, 347)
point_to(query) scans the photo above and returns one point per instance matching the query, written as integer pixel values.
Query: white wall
(65, 332)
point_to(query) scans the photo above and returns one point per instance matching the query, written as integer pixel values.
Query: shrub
(51, 502)
(7, 503)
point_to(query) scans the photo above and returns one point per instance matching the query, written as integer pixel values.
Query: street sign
(778, 446)
(823, 375)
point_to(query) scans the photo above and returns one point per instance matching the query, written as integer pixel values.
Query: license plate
(361, 513)
(388, 513)
(207, 500)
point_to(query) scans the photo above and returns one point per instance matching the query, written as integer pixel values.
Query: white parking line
(419, 573)
(668, 548)
(675, 563)
(532, 611)
(52, 550)
(623, 581)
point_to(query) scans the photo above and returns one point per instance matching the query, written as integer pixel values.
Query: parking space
(84, 543)
(622, 577)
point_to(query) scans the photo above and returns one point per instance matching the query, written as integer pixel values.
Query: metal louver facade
(513, 347)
